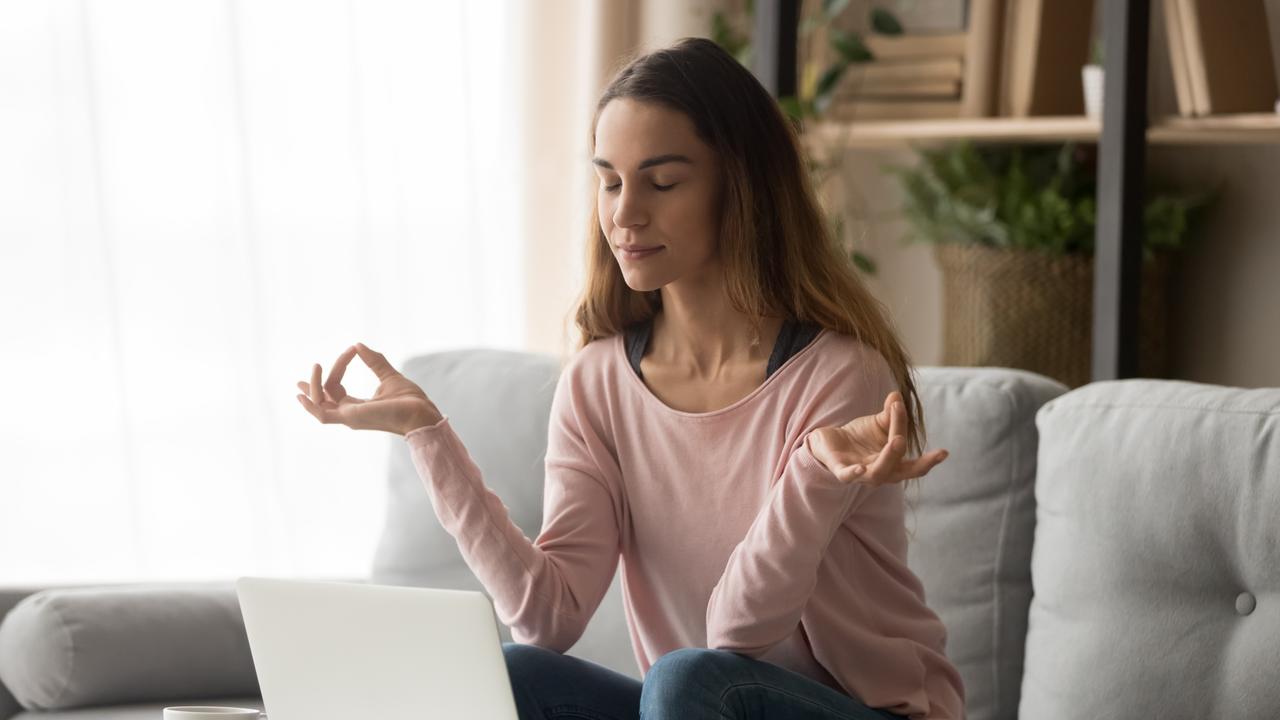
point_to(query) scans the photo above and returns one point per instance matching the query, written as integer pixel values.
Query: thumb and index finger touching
(884, 418)
(376, 361)
(892, 422)
(332, 386)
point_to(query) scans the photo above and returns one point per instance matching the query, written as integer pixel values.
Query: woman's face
(659, 190)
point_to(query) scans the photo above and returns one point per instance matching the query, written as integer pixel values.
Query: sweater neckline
(620, 351)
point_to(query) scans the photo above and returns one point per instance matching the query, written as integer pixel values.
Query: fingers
(305, 387)
(317, 394)
(921, 465)
(334, 384)
(376, 362)
(857, 471)
(908, 470)
(311, 407)
(883, 418)
(898, 424)
(895, 447)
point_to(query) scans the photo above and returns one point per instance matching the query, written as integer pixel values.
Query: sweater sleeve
(547, 589)
(773, 571)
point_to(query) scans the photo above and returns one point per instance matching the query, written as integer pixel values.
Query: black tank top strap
(792, 338)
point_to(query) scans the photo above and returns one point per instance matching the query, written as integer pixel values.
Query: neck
(700, 331)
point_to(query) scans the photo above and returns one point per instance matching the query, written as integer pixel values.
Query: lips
(638, 252)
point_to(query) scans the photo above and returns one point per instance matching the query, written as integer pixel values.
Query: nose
(628, 209)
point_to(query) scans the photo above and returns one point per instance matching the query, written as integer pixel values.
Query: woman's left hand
(870, 449)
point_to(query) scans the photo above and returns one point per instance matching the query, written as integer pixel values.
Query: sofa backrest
(1157, 554)
(971, 516)
(972, 520)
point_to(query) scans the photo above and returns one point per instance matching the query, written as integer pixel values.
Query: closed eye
(659, 188)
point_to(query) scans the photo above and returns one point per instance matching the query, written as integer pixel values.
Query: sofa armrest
(9, 597)
(82, 646)
(79, 647)
(8, 704)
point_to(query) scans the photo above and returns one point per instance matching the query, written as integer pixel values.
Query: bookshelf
(1123, 134)
(1242, 129)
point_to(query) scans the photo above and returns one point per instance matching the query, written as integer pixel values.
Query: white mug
(195, 712)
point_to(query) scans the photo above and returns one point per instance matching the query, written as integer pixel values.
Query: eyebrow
(656, 160)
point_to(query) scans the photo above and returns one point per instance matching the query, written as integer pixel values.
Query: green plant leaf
(723, 34)
(792, 107)
(832, 8)
(864, 263)
(850, 46)
(829, 79)
(1097, 52)
(884, 22)
(719, 27)
(1039, 197)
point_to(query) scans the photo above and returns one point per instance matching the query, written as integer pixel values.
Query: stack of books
(1220, 51)
(913, 76)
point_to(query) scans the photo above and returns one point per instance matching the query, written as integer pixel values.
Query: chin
(641, 283)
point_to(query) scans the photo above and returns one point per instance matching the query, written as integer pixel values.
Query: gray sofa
(1142, 513)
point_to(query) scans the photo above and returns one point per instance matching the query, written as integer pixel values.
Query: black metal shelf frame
(1122, 151)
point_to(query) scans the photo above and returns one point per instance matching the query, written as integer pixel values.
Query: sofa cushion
(139, 711)
(68, 648)
(499, 403)
(971, 521)
(1156, 565)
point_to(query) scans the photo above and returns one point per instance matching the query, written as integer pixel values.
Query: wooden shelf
(1244, 129)
(1260, 128)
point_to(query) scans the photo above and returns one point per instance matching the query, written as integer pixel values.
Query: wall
(572, 49)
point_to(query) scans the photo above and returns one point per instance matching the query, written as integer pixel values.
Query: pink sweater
(731, 534)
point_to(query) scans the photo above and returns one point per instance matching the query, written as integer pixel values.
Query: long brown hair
(780, 257)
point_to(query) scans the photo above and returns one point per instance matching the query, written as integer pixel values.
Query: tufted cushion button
(1245, 603)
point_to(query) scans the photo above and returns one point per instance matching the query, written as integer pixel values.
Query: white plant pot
(1091, 76)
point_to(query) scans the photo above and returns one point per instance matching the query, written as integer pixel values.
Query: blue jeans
(691, 684)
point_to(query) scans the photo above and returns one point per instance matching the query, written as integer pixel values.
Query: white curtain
(198, 201)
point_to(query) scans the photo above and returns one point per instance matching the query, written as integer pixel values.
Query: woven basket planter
(1030, 310)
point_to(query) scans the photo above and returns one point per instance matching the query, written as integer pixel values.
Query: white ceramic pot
(1091, 76)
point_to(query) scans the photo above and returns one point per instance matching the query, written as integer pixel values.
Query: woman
(734, 428)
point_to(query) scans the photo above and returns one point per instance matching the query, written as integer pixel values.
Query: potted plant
(1013, 233)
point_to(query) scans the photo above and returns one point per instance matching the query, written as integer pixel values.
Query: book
(1178, 59)
(940, 89)
(982, 57)
(916, 45)
(1049, 44)
(891, 72)
(1228, 50)
(1007, 70)
(859, 109)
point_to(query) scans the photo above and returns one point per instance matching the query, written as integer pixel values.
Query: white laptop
(348, 651)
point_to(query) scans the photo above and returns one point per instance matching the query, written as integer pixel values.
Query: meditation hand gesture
(397, 406)
(870, 449)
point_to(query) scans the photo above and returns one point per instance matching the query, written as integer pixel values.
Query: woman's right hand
(397, 406)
